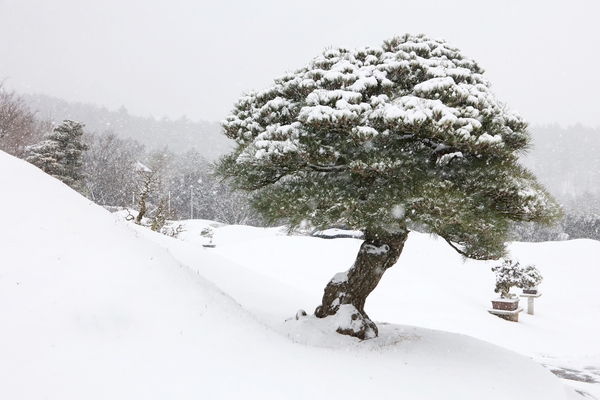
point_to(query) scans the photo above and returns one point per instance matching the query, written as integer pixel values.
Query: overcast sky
(195, 58)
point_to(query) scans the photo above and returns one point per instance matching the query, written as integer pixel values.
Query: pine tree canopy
(385, 138)
(59, 154)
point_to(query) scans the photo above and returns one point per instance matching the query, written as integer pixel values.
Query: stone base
(512, 315)
(530, 298)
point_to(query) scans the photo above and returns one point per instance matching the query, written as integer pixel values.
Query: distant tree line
(117, 170)
(581, 220)
(158, 184)
(567, 161)
(19, 125)
(178, 134)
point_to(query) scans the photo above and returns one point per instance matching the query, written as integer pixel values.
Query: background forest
(167, 164)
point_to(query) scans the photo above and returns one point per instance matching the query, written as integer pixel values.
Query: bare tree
(196, 193)
(109, 169)
(153, 191)
(19, 126)
(228, 206)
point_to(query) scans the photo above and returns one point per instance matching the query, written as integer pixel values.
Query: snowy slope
(94, 308)
(433, 287)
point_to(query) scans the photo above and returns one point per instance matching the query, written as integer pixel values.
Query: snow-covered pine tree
(382, 139)
(59, 154)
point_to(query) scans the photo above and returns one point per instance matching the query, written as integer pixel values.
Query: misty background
(164, 74)
(195, 58)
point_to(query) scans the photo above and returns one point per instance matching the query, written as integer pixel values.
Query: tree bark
(346, 293)
(142, 205)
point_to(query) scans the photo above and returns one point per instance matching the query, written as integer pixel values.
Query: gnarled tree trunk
(347, 292)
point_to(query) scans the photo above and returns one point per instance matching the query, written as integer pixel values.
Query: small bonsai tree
(207, 233)
(511, 274)
(531, 277)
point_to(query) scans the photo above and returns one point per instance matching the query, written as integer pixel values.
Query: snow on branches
(59, 154)
(358, 133)
(511, 274)
(409, 82)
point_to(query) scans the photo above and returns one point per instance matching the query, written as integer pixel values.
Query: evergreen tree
(59, 154)
(383, 139)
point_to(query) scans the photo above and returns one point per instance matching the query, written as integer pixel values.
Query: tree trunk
(142, 206)
(346, 293)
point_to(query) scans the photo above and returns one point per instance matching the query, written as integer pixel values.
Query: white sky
(196, 57)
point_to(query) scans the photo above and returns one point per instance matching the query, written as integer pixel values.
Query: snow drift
(92, 307)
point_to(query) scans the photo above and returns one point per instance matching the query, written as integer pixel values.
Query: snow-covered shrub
(207, 233)
(582, 224)
(511, 274)
(171, 229)
(531, 277)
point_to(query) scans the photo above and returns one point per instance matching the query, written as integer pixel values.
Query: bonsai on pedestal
(208, 233)
(531, 279)
(511, 274)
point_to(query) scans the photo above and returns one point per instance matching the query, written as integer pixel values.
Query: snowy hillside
(92, 307)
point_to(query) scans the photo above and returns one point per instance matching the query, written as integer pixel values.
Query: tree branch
(327, 168)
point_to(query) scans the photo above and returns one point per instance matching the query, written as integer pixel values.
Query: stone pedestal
(530, 298)
(507, 309)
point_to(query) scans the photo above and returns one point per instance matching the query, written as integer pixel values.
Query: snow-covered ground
(93, 307)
